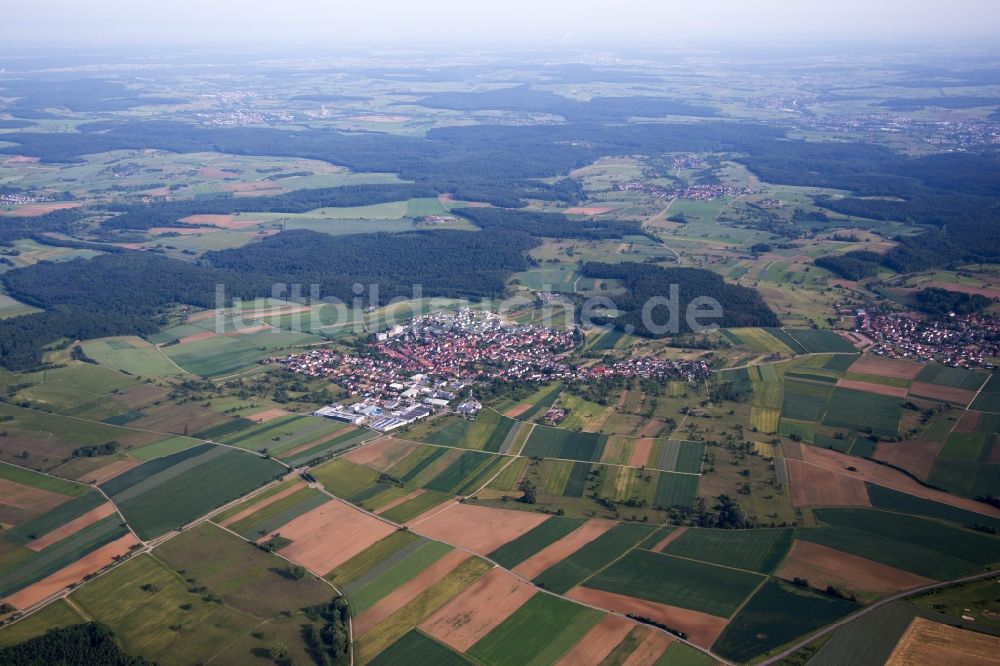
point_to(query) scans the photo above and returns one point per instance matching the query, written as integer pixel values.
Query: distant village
(963, 341)
(18, 198)
(408, 372)
(695, 192)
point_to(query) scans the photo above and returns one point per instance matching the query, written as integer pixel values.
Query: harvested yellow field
(927, 642)
(765, 419)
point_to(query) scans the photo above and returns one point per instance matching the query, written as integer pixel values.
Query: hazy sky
(419, 21)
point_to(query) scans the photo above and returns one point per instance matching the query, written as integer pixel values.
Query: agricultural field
(677, 581)
(131, 354)
(775, 615)
(722, 500)
(165, 493)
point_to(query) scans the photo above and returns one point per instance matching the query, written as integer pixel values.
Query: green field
(869, 642)
(344, 478)
(168, 492)
(246, 577)
(545, 442)
(362, 564)
(539, 632)
(60, 554)
(488, 432)
(55, 517)
(514, 552)
(389, 574)
(142, 620)
(467, 473)
(131, 354)
(816, 341)
(269, 518)
(676, 490)
(758, 550)
(52, 484)
(593, 557)
(678, 582)
(54, 615)
(410, 509)
(858, 410)
(935, 373)
(925, 547)
(284, 433)
(777, 614)
(892, 500)
(418, 649)
(805, 400)
(215, 356)
(963, 446)
(164, 447)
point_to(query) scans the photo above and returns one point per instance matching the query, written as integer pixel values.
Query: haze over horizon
(301, 22)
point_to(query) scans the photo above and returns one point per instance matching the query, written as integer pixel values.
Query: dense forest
(443, 263)
(82, 95)
(740, 306)
(13, 228)
(964, 241)
(94, 298)
(549, 225)
(942, 302)
(167, 214)
(75, 645)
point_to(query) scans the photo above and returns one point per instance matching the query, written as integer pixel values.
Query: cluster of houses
(409, 372)
(19, 198)
(695, 192)
(964, 341)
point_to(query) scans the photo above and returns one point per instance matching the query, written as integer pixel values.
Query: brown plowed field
(968, 421)
(72, 527)
(478, 528)
(640, 452)
(916, 456)
(330, 535)
(478, 609)
(597, 643)
(399, 500)
(406, 592)
(195, 337)
(665, 541)
(944, 393)
(701, 628)
(563, 548)
(822, 566)
(888, 477)
(652, 645)
(652, 428)
(517, 410)
(885, 367)
(815, 486)
(73, 573)
(28, 498)
(381, 454)
(268, 415)
(257, 506)
(880, 389)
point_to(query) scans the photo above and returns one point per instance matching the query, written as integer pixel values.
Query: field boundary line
(976, 396)
(172, 361)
